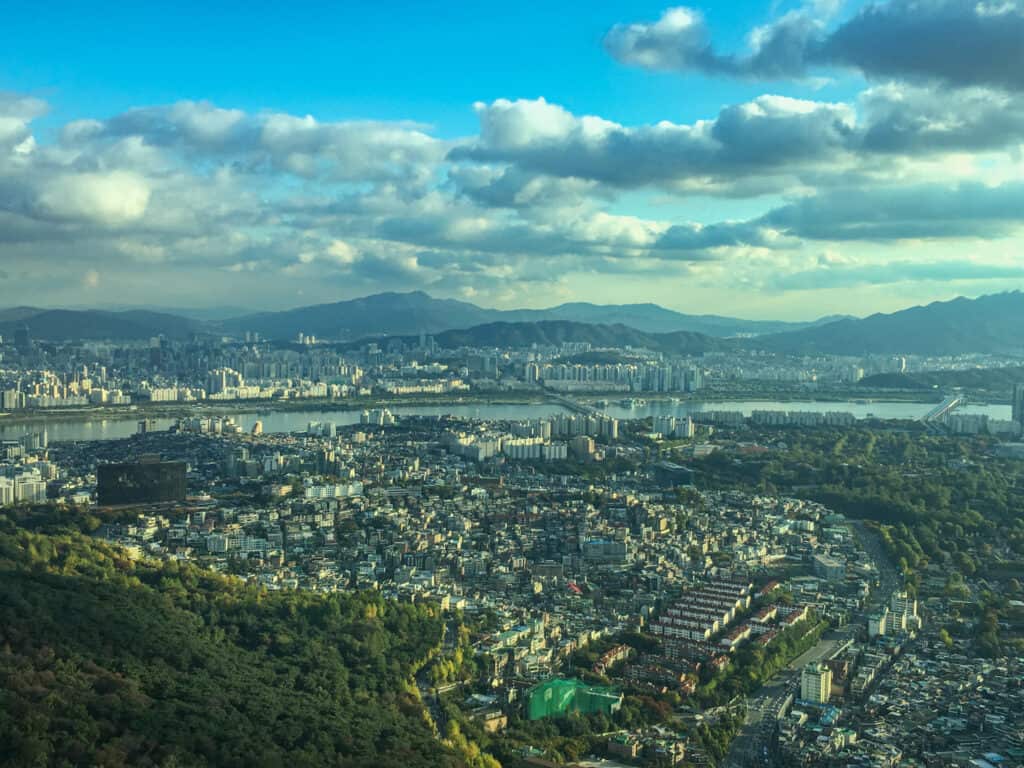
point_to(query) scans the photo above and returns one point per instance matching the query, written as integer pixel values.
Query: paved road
(430, 701)
(751, 745)
(888, 575)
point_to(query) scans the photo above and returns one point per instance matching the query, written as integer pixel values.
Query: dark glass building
(146, 482)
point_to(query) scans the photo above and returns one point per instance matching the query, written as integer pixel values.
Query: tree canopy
(105, 660)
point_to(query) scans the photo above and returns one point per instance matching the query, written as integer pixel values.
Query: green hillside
(555, 332)
(993, 382)
(109, 662)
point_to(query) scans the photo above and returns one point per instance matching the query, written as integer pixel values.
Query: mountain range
(992, 324)
(93, 324)
(415, 312)
(989, 324)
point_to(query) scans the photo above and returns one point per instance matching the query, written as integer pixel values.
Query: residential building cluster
(464, 513)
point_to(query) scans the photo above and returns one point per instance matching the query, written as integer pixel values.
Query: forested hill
(105, 661)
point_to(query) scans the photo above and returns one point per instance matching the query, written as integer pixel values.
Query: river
(61, 428)
(116, 427)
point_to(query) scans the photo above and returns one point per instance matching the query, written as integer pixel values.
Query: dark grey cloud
(958, 42)
(879, 215)
(512, 187)
(901, 119)
(588, 233)
(702, 239)
(890, 214)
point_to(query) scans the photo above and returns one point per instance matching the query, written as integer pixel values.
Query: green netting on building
(559, 697)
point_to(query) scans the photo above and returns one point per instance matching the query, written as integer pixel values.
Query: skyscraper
(1018, 404)
(22, 339)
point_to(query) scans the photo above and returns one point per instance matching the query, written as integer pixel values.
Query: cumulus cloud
(679, 41)
(771, 144)
(267, 203)
(705, 238)
(771, 134)
(898, 118)
(16, 112)
(959, 42)
(341, 252)
(299, 145)
(512, 187)
(876, 215)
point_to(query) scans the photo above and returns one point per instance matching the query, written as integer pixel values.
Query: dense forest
(108, 661)
(952, 491)
(996, 382)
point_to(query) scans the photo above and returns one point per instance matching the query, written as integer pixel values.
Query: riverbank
(227, 408)
(211, 408)
(787, 396)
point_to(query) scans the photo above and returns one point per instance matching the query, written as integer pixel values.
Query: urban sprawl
(616, 569)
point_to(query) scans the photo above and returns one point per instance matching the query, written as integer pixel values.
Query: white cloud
(680, 41)
(16, 112)
(341, 252)
(278, 142)
(91, 279)
(769, 135)
(192, 197)
(111, 198)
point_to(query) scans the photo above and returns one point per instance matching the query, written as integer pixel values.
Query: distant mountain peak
(986, 324)
(989, 324)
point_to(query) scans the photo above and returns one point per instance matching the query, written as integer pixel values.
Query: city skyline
(775, 161)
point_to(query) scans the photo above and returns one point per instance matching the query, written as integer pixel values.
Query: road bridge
(944, 408)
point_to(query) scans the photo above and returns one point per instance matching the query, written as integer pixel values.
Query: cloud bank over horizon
(905, 187)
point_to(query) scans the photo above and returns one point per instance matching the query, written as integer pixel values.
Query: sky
(756, 159)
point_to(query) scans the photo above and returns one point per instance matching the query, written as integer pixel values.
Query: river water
(116, 427)
(60, 429)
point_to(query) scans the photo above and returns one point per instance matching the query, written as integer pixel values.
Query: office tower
(815, 683)
(22, 339)
(1018, 404)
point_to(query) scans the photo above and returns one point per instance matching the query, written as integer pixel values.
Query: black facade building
(145, 482)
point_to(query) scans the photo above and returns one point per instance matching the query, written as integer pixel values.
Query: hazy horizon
(225, 312)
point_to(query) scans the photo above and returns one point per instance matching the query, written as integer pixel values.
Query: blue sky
(711, 157)
(427, 61)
